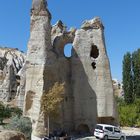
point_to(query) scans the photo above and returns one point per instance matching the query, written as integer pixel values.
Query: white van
(105, 132)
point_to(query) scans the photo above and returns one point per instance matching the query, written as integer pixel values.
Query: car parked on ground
(106, 132)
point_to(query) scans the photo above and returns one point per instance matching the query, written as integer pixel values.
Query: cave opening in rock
(94, 53)
(68, 50)
(93, 64)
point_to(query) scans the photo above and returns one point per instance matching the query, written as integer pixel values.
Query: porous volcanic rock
(11, 61)
(11, 135)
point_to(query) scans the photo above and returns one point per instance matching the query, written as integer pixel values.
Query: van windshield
(99, 127)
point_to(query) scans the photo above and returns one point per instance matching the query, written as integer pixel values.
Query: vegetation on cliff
(15, 120)
(6, 112)
(22, 124)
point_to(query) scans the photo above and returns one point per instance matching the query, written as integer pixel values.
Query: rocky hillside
(11, 62)
(118, 88)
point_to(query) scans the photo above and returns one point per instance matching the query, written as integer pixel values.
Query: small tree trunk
(48, 125)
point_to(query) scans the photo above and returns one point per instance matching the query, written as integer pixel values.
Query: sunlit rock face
(39, 4)
(11, 61)
(118, 88)
(90, 68)
(21, 75)
(89, 94)
(88, 86)
(36, 62)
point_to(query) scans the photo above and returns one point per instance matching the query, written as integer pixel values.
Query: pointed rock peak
(39, 7)
(39, 4)
(72, 30)
(61, 25)
(94, 23)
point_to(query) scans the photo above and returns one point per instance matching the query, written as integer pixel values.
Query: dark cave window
(12, 91)
(17, 77)
(94, 51)
(93, 64)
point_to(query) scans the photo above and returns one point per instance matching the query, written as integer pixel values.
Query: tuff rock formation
(118, 88)
(21, 87)
(88, 93)
(11, 135)
(38, 57)
(11, 61)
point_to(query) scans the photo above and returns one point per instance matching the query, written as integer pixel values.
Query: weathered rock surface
(90, 67)
(21, 87)
(11, 61)
(11, 135)
(118, 88)
(89, 94)
(38, 55)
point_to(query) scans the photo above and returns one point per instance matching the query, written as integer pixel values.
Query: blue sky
(121, 19)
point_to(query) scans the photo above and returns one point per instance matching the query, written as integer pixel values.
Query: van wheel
(105, 137)
(122, 138)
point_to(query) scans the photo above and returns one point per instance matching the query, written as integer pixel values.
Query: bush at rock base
(129, 114)
(21, 124)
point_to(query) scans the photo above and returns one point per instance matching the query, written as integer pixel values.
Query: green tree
(136, 72)
(51, 101)
(127, 79)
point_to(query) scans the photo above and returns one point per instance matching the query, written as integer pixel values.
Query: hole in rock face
(93, 64)
(68, 50)
(94, 53)
(17, 77)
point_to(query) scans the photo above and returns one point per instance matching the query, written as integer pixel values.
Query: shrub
(15, 111)
(21, 124)
(4, 112)
(129, 114)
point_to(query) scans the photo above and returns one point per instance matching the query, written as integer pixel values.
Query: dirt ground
(131, 133)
